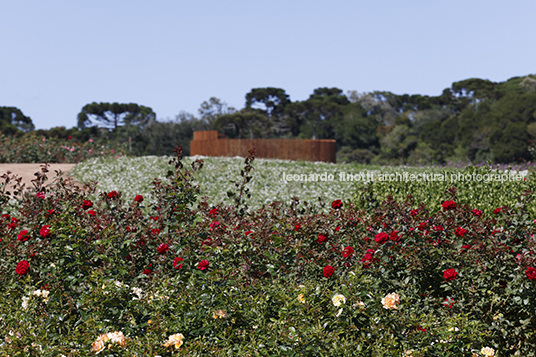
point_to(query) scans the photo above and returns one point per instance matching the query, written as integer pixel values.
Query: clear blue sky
(171, 55)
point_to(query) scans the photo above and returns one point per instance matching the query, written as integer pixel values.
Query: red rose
(413, 212)
(328, 271)
(449, 205)
(348, 252)
(497, 210)
(203, 264)
(465, 247)
(213, 212)
(297, 227)
(14, 223)
(176, 264)
(531, 273)
(87, 204)
(338, 228)
(155, 231)
(449, 302)
(23, 236)
(113, 194)
(138, 198)
(22, 267)
(162, 248)
(91, 212)
(45, 231)
(438, 228)
(50, 212)
(248, 232)
(147, 271)
(381, 238)
(322, 238)
(476, 212)
(336, 204)
(214, 224)
(394, 236)
(367, 257)
(460, 232)
(450, 274)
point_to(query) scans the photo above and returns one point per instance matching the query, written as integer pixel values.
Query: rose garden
(88, 273)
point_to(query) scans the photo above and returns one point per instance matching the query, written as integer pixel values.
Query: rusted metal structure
(209, 143)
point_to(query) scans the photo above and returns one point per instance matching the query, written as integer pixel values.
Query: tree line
(472, 121)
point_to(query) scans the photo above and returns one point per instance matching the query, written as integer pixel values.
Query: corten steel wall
(207, 143)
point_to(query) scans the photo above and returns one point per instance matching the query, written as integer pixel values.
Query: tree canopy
(12, 120)
(113, 115)
(269, 101)
(472, 121)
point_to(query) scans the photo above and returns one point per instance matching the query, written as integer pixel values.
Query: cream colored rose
(138, 292)
(175, 340)
(112, 337)
(25, 300)
(338, 300)
(219, 314)
(487, 351)
(390, 300)
(118, 338)
(98, 345)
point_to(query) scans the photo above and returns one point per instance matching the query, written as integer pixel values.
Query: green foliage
(13, 121)
(484, 188)
(473, 121)
(33, 148)
(319, 113)
(115, 114)
(243, 125)
(161, 137)
(272, 101)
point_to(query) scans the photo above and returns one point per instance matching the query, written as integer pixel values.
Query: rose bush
(31, 147)
(152, 282)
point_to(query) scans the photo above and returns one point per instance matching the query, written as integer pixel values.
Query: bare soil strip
(27, 171)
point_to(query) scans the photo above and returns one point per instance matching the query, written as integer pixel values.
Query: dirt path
(27, 171)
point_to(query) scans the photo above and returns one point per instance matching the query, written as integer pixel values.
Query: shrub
(30, 148)
(193, 279)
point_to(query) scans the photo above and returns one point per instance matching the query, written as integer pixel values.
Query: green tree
(12, 121)
(243, 125)
(510, 144)
(318, 112)
(212, 109)
(271, 103)
(355, 129)
(477, 88)
(113, 115)
(160, 138)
